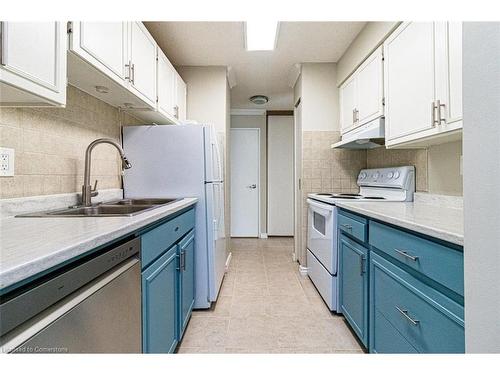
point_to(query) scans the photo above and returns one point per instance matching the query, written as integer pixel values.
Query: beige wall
(206, 94)
(369, 38)
(50, 145)
(319, 96)
(259, 122)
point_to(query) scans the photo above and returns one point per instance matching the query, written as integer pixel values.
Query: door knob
(253, 186)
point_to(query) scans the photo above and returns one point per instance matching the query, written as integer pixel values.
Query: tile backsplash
(50, 145)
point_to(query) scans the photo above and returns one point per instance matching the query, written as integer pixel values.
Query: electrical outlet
(6, 162)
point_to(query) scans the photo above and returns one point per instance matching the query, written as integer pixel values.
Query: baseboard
(263, 235)
(303, 270)
(228, 261)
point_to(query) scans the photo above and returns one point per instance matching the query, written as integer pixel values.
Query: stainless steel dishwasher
(93, 306)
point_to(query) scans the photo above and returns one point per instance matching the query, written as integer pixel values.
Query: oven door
(321, 235)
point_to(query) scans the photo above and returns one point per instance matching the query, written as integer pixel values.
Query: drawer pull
(405, 254)
(408, 317)
(346, 226)
(176, 229)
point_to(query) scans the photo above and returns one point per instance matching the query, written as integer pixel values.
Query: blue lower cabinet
(354, 285)
(408, 315)
(186, 280)
(160, 304)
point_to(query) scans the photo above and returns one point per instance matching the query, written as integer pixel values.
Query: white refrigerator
(176, 161)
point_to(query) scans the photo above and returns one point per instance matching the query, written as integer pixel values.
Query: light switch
(6, 162)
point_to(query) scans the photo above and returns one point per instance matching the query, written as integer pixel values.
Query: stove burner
(349, 194)
(326, 194)
(346, 196)
(373, 198)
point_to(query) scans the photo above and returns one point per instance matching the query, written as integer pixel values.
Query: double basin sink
(123, 207)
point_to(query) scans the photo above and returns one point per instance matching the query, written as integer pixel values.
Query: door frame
(297, 177)
(258, 180)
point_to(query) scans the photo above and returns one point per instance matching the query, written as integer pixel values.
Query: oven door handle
(324, 209)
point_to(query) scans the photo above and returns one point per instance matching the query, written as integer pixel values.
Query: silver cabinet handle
(253, 186)
(357, 115)
(132, 69)
(439, 105)
(408, 317)
(346, 226)
(183, 260)
(406, 255)
(176, 111)
(433, 113)
(354, 116)
(362, 265)
(127, 77)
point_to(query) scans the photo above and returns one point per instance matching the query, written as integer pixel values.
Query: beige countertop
(29, 246)
(436, 221)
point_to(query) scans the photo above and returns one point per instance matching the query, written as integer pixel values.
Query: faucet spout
(87, 191)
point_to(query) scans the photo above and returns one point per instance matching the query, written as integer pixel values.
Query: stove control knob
(362, 176)
(390, 175)
(375, 175)
(396, 174)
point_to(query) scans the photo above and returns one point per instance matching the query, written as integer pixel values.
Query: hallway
(266, 306)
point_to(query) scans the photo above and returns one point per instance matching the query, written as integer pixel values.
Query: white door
(180, 97)
(166, 85)
(245, 155)
(143, 62)
(280, 181)
(348, 104)
(33, 59)
(409, 79)
(370, 89)
(103, 44)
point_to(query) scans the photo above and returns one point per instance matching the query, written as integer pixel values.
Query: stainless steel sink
(145, 201)
(124, 207)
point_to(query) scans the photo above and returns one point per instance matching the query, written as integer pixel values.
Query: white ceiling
(259, 72)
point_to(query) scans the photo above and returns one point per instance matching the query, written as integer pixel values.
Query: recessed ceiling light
(259, 99)
(261, 35)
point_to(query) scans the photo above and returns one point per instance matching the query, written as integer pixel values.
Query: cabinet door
(409, 79)
(33, 60)
(160, 304)
(354, 286)
(186, 276)
(181, 92)
(102, 44)
(166, 85)
(448, 50)
(143, 62)
(348, 104)
(369, 88)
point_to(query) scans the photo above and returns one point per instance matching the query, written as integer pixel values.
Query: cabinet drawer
(353, 225)
(384, 338)
(427, 319)
(159, 239)
(440, 263)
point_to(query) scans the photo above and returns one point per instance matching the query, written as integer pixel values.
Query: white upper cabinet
(422, 72)
(361, 96)
(370, 88)
(180, 98)
(166, 86)
(103, 44)
(142, 64)
(348, 105)
(32, 64)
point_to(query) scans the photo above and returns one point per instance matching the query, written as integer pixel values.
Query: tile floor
(266, 306)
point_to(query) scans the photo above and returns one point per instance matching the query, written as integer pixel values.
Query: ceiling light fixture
(259, 99)
(261, 35)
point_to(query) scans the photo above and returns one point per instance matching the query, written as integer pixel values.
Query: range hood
(371, 135)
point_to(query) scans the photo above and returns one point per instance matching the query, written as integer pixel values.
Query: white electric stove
(382, 185)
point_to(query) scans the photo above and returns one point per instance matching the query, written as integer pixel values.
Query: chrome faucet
(87, 190)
